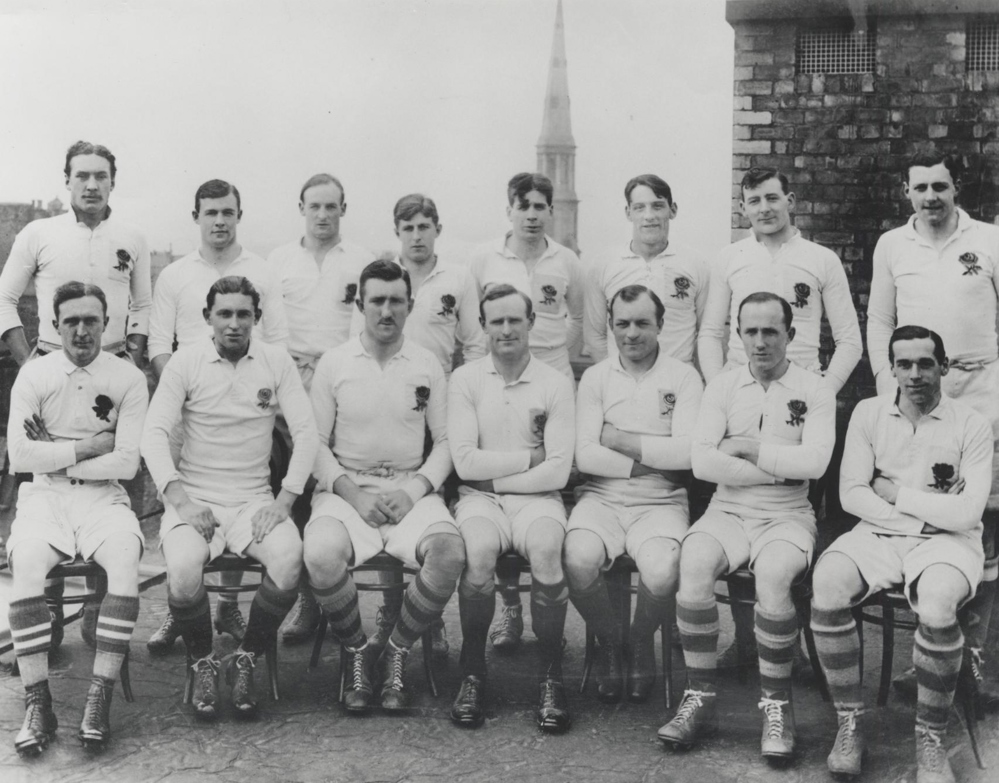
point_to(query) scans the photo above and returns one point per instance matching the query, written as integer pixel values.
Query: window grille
(982, 45)
(836, 49)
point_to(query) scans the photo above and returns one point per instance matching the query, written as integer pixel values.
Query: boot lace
(977, 664)
(207, 670)
(692, 701)
(357, 670)
(773, 709)
(231, 619)
(929, 746)
(397, 665)
(508, 622)
(846, 737)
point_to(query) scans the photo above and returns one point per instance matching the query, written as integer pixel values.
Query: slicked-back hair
(501, 291)
(630, 293)
(233, 284)
(930, 158)
(388, 271)
(757, 175)
(86, 148)
(913, 332)
(321, 179)
(762, 297)
(522, 184)
(77, 290)
(656, 184)
(215, 188)
(408, 207)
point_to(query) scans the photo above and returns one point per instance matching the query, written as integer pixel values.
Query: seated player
(916, 469)
(374, 398)
(75, 422)
(510, 421)
(223, 392)
(635, 413)
(763, 431)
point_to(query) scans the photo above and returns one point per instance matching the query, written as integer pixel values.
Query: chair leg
(317, 646)
(971, 724)
(343, 672)
(887, 650)
(272, 667)
(666, 637)
(587, 659)
(126, 681)
(188, 679)
(428, 660)
(858, 618)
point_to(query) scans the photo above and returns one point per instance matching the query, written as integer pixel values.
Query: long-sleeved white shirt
(810, 277)
(56, 250)
(661, 407)
(319, 298)
(181, 296)
(227, 417)
(678, 277)
(108, 395)
(493, 426)
(371, 418)
(445, 311)
(556, 285)
(952, 291)
(794, 421)
(950, 443)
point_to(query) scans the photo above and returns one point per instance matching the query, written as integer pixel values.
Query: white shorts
(743, 539)
(625, 528)
(235, 530)
(886, 561)
(400, 541)
(73, 516)
(512, 515)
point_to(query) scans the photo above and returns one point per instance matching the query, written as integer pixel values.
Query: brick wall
(842, 139)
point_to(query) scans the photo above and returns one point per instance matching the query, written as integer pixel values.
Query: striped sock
(548, 608)
(650, 611)
(31, 630)
(270, 606)
(594, 606)
(775, 638)
(936, 654)
(115, 624)
(194, 621)
(476, 607)
(698, 623)
(339, 603)
(428, 594)
(838, 645)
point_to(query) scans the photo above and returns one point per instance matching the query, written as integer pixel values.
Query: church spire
(556, 146)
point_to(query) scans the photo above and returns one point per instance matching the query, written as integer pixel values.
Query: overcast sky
(393, 96)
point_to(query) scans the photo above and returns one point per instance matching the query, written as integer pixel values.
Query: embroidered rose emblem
(682, 286)
(124, 260)
(350, 293)
(422, 398)
(943, 476)
(798, 410)
(447, 305)
(667, 402)
(549, 292)
(538, 424)
(264, 399)
(802, 291)
(970, 261)
(102, 407)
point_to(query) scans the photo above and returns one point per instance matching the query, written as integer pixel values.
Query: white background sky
(392, 96)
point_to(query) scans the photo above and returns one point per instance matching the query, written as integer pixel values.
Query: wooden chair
(379, 563)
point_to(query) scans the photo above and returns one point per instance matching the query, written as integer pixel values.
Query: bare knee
(445, 554)
(658, 564)
(544, 550)
(939, 592)
(702, 561)
(583, 554)
(482, 548)
(836, 582)
(284, 563)
(326, 552)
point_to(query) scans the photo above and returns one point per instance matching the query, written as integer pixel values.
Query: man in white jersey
(635, 414)
(511, 427)
(374, 398)
(763, 431)
(917, 469)
(552, 276)
(319, 274)
(85, 244)
(678, 277)
(75, 421)
(941, 271)
(178, 321)
(445, 314)
(224, 392)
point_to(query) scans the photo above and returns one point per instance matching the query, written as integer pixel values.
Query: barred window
(838, 48)
(982, 45)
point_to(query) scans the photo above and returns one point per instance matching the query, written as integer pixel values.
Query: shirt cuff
(415, 488)
(138, 323)
(767, 459)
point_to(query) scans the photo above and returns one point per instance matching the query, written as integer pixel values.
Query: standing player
(223, 392)
(552, 277)
(510, 421)
(635, 414)
(678, 277)
(374, 399)
(75, 422)
(941, 271)
(319, 275)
